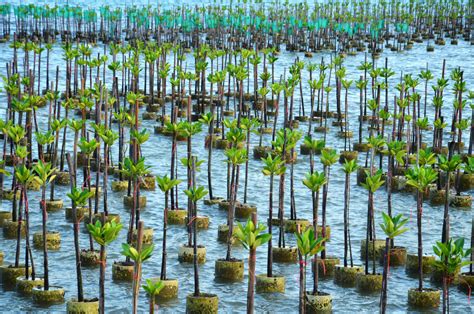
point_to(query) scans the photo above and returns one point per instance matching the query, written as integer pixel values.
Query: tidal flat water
(232, 296)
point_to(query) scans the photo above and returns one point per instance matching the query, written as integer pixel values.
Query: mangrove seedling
(451, 255)
(392, 227)
(78, 198)
(328, 158)
(166, 185)
(272, 166)
(138, 255)
(153, 288)
(308, 245)
(348, 167)
(103, 235)
(251, 237)
(195, 194)
(45, 174)
(314, 182)
(420, 178)
(371, 184)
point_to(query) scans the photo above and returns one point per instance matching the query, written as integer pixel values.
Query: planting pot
(202, 222)
(10, 229)
(285, 254)
(153, 107)
(54, 205)
(225, 204)
(361, 147)
(149, 116)
(223, 232)
(320, 129)
(5, 216)
(48, 157)
(437, 197)
(379, 248)
(426, 298)
(265, 284)
(85, 307)
(207, 139)
(90, 258)
(398, 256)
(295, 124)
(319, 231)
(264, 130)
(466, 282)
(128, 201)
(304, 150)
(186, 254)
(98, 217)
(93, 189)
(320, 114)
(361, 175)
(399, 183)
(147, 236)
(232, 270)
(119, 186)
(440, 150)
(169, 291)
(291, 225)
(244, 211)
(346, 276)
(53, 240)
(177, 216)
(399, 171)
(220, 143)
(339, 123)
(369, 283)
(81, 212)
(327, 266)
(461, 201)
(345, 134)
(9, 194)
(348, 155)
(318, 303)
(9, 274)
(122, 271)
(54, 295)
(62, 178)
(25, 286)
(443, 176)
(8, 159)
(458, 146)
(290, 158)
(33, 186)
(466, 182)
(202, 304)
(213, 201)
(412, 263)
(437, 277)
(149, 183)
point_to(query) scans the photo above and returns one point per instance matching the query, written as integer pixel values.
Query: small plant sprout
(452, 257)
(152, 288)
(308, 245)
(251, 236)
(103, 235)
(392, 227)
(138, 256)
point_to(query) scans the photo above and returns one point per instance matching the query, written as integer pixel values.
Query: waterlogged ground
(232, 296)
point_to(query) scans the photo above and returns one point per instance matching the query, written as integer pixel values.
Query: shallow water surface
(232, 296)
